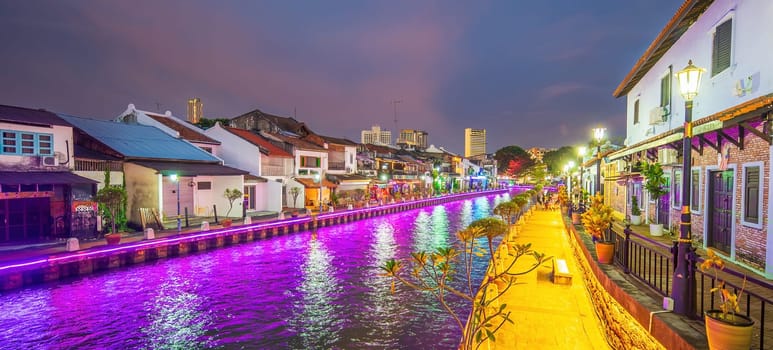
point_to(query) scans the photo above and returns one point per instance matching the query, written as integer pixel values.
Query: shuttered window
(310, 162)
(695, 188)
(751, 211)
(636, 112)
(720, 54)
(665, 94)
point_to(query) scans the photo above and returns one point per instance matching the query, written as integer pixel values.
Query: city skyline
(532, 74)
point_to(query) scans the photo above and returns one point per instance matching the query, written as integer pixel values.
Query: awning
(646, 145)
(309, 183)
(190, 169)
(42, 177)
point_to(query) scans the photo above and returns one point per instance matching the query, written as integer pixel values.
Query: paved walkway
(547, 315)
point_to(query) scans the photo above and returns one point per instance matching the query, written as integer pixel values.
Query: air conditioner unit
(658, 115)
(49, 161)
(667, 156)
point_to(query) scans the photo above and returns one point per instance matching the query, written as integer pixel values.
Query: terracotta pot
(730, 335)
(605, 251)
(576, 218)
(227, 223)
(113, 238)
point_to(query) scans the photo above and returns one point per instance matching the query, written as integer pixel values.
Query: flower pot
(656, 230)
(113, 238)
(227, 223)
(728, 334)
(605, 251)
(564, 209)
(576, 218)
(635, 219)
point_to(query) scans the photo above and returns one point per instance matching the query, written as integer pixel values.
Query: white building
(376, 136)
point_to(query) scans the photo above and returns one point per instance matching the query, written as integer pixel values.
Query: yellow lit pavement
(547, 315)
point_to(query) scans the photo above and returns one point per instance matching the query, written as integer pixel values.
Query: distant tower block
(474, 142)
(195, 110)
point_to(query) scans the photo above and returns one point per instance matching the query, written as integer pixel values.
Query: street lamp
(581, 153)
(570, 166)
(683, 291)
(175, 179)
(318, 180)
(598, 134)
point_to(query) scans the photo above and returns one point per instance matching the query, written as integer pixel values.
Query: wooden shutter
(695, 190)
(636, 112)
(751, 195)
(720, 55)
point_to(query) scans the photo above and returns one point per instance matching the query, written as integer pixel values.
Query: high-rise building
(195, 110)
(410, 138)
(474, 142)
(376, 136)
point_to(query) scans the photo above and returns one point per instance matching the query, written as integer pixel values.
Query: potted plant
(112, 198)
(563, 198)
(635, 211)
(227, 223)
(725, 327)
(655, 184)
(596, 222)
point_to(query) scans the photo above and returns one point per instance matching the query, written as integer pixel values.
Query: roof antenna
(158, 107)
(394, 104)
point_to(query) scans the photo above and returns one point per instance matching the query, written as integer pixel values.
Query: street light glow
(689, 80)
(598, 133)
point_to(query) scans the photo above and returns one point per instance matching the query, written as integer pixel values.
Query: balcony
(274, 170)
(336, 166)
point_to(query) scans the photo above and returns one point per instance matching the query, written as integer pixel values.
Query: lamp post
(581, 155)
(683, 290)
(177, 180)
(598, 135)
(318, 180)
(570, 166)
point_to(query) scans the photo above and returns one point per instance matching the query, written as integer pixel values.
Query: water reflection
(317, 321)
(177, 316)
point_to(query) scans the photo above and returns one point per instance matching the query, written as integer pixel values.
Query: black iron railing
(652, 263)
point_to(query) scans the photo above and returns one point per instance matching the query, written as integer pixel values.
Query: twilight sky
(532, 73)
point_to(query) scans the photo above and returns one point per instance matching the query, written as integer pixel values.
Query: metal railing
(648, 261)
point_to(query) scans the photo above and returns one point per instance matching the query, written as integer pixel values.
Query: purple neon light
(195, 236)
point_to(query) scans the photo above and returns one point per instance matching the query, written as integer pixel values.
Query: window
(636, 112)
(204, 185)
(26, 143)
(676, 189)
(634, 189)
(751, 195)
(695, 190)
(721, 47)
(310, 162)
(665, 93)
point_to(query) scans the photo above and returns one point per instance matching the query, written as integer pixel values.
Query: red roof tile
(185, 132)
(273, 150)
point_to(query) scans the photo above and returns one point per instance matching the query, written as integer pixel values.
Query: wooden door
(720, 210)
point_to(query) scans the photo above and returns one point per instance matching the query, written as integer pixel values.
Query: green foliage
(513, 159)
(635, 210)
(112, 198)
(295, 191)
(205, 123)
(555, 160)
(655, 182)
(597, 218)
(231, 194)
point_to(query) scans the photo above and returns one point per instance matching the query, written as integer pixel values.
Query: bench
(561, 274)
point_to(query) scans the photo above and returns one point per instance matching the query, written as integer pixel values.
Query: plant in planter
(227, 223)
(295, 191)
(563, 198)
(725, 327)
(635, 211)
(596, 222)
(655, 184)
(231, 194)
(112, 198)
(434, 272)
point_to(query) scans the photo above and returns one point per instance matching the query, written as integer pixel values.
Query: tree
(555, 160)
(205, 123)
(295, 191)
(112, 198)
(513, 157)
(231, 194)
(432, 273)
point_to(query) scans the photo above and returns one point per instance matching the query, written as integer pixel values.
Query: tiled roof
(185, 132)
(139, 141)
(191, 169)
(29, 116)
(273, 150)
(338, 141)
(282, 123)
(298, 143)
(685, 16)
(311, 184)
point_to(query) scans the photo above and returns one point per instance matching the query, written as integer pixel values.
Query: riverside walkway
(547, 315)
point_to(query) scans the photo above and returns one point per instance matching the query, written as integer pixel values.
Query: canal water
(307, 290)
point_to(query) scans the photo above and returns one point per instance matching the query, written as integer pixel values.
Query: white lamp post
(177, 180)
(318, 180)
